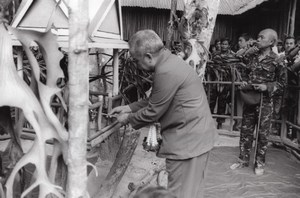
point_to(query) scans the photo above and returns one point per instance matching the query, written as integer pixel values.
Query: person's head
(218, 44)
(267, 38)
(243, 40)
(225, 44)
(212, 48)
(280, 46)
(145, 47)
(289, 43)
(154, 192)
(298, 40)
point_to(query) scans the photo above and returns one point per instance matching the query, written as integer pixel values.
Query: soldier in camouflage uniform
(269, 77)
(220, 71)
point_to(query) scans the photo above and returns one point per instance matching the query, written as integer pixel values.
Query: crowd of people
(228, 61)
(267, 70)
(178, 101)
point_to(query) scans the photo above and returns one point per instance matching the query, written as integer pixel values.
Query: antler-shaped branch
(49, 48)
(18, 94)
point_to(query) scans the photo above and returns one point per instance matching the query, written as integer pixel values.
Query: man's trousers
(186, 177)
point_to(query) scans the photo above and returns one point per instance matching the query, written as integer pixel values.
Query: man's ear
(149, 57)
(273, 42)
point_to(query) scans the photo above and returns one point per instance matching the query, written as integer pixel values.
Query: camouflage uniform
(273, 74)
(277, 104)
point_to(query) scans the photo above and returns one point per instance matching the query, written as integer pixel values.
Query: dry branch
(124, 155)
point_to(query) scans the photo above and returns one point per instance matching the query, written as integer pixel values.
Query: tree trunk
(78, 119)
(292, 17)
(124, 155)
(171, 24)
(196, 28)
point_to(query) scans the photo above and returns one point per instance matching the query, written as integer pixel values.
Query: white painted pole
(78, 119)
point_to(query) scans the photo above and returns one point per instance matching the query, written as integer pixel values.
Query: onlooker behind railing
(220, 71)
(244, 42)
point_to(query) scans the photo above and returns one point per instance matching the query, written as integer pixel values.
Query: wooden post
(99, 119)
(170, 26)
(288, 19)
(78, 118)
(298, 113)
(20, 62)
(232, 97)
(115, 72)
(292, 17)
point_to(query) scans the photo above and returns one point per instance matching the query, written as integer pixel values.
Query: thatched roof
(226, 7)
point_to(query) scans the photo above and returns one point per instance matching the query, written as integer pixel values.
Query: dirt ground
(281, 178)
(142, 170)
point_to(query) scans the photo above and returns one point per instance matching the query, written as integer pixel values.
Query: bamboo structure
(78, 99)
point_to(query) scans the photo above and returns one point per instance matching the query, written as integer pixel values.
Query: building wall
(270, 14)
(136, 18)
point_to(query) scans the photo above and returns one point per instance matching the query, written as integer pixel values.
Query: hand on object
(251, 50)
(123, 118)
(260, 87)
(244, 84)
(120, 109)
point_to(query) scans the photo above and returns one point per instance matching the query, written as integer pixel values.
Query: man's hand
(120, 110)
(260, 87)
(251, 50)
(244, 84)
(123, 118)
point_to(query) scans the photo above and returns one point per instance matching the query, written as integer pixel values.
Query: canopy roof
(105, 29)
(226, 7)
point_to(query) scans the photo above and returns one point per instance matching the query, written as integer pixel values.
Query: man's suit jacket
(178, 101)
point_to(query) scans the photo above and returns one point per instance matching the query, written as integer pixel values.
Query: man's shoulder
(172, 64)
(276, 59)
(273, 55)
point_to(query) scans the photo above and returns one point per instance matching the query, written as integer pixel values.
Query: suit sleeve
(135, 106)
(163, 92)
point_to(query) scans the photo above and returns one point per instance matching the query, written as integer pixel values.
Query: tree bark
(78, 118)
(171, 24)
(196, 28)
(123, 158)
(292, 17)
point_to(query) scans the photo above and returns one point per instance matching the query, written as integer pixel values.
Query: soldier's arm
(277, 87)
